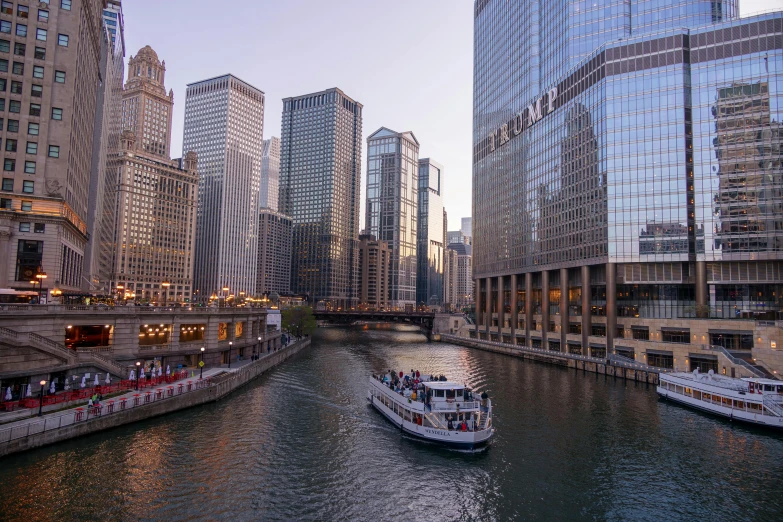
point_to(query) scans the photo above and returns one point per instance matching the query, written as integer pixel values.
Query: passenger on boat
(449, 424)
(463, 426)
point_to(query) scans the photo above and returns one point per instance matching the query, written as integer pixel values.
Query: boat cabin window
(449, 394)
(439, 393)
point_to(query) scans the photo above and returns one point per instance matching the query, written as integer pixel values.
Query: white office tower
(224, 120)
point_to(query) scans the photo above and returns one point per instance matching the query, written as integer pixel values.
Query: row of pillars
(484, 315)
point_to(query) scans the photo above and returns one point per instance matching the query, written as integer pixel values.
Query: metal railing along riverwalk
(51, 422)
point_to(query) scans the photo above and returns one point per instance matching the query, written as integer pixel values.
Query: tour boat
(435, 410)
(757, 401)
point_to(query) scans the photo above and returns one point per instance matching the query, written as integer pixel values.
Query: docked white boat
(758, 401)
(439, 411)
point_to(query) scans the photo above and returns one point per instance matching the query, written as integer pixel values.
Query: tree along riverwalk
(614, 365)
(76, 422)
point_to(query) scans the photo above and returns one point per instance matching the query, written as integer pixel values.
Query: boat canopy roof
(770, 382)
(444, 385)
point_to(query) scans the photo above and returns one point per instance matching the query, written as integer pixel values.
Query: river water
(301, 443)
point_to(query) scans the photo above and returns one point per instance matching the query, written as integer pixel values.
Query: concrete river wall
(615, 368)
(38, 434)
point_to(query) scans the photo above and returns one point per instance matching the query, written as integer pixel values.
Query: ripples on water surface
(301, 443)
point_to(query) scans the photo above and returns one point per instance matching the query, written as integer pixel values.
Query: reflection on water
(301, 443)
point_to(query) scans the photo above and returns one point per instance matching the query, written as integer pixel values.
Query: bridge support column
(545, 310)
(586, 325)
(564, 315)
(514, 309)
(501, 308)
(528, 307)
(479, 309)
(611, 306)
(488, 319)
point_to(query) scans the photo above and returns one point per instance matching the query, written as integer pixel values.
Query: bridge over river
(424, 320)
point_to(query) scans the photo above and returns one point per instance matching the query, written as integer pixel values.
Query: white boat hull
(453, 438)
(723, 411)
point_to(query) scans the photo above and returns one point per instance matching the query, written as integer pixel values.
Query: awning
(660, 352)
(597, 345)
(707, 356)
(730, 332)
(639, 327)
(675, 329)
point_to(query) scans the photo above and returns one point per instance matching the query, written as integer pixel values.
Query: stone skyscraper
(224, 124)
(626, 179)
(431, 240)
(50, 66)
(274, 253)
(270, 173)
(392, 206)
(320, 186)
(155, 196)
(106, 143)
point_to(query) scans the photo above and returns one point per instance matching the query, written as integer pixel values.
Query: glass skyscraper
(270, 173)
(320, 186)
(224, 124)
(431, 240)
(392, 207)
(627, 178)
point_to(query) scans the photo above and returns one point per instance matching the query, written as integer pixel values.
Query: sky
(409, 62)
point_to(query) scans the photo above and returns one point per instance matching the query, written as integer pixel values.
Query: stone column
(488, 318)
(514, 309)
(586, 325)
(611, 306)
(564, 315)
(545, 310)
(528, 306)
(479, 305)
(5, 251)
(701, 289)
(501, 307)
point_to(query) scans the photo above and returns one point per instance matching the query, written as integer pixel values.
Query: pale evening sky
(409, 62)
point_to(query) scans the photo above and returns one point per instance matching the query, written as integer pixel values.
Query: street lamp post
(230, 344)
(165, 285)
(120, 289)
(260, 351)
(40, 406)
(201, 364)
(225, 294)
(138, 375)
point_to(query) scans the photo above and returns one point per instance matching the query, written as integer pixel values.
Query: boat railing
(454, 406)
(774, 403)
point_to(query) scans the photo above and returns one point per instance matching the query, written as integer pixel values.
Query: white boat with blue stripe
(436, 410)
(752, 400)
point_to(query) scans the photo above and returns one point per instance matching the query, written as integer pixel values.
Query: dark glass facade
(431, 240)
(392, 207)
(320, 187)
(626, 163)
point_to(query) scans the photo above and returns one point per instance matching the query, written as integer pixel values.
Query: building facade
(224, 124)
(464, 284)
(320, 187)
(275, 236)
(626, 187)
(467, 227)
(431, 242)
(101, 208)
(450, 279)
(392, 207)
(49, 75)
(270, 173)
(374, 262)
(456, 236)
(155, 227)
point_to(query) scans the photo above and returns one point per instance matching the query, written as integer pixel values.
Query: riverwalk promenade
(133, 406)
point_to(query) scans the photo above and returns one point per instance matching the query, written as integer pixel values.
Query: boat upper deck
(727, 383)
